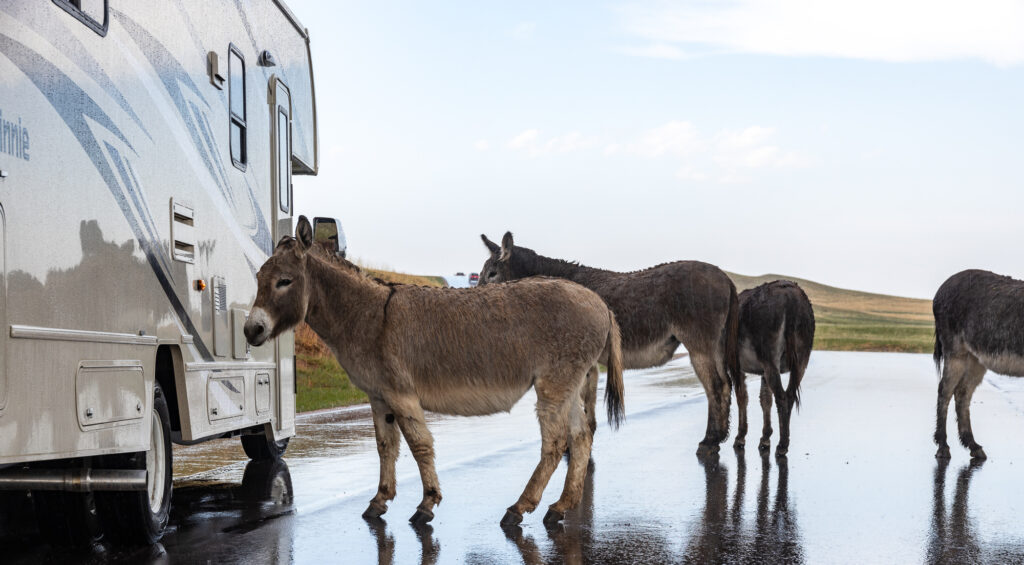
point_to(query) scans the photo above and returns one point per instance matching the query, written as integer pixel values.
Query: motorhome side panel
(127, 227)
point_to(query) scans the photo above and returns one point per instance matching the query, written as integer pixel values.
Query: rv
(146, 155)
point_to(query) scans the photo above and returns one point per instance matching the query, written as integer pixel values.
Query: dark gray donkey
(776, 336)
(978, 321)
(686, 302)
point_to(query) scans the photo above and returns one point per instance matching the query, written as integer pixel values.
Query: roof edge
(291, 17)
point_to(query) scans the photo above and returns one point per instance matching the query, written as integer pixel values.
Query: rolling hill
(850, 320)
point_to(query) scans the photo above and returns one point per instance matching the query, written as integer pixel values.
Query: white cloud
(530, 141)
(675, 138)
(482, 145)
(524, 140)
(752, 148)
(725, 157)
(722, 158)
(886, 30)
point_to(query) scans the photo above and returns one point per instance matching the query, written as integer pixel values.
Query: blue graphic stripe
(74, 107)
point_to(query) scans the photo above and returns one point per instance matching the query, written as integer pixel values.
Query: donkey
(452, 351)
(686, 302)
(776, 336)
(978, 321)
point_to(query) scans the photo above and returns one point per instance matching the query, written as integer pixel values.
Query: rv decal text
(13, 138)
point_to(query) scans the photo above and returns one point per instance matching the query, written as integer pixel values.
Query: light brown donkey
(466, 352)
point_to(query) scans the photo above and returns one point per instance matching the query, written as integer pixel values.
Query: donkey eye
(284, 282)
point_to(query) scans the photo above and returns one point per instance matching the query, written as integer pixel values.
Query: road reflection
(571, 541)
(953, 538)
(430, 549)
(211, 516)
(721, 536)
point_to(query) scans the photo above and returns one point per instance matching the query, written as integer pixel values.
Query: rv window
(283, 161)
(236, 105)
(92, 13)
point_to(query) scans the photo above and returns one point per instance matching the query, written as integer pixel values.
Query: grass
(322, 383)
(404, 278)
(850, 320)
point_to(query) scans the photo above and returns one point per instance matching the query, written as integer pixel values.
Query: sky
(864, 144)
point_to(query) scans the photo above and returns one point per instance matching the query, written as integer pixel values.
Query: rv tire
(139, 518)
(259, 447)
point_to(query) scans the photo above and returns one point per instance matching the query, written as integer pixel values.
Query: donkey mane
(532, 259)
(323, 252)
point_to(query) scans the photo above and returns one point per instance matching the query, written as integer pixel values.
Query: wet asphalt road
(861, 485)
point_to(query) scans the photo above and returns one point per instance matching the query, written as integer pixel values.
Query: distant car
(458, 280)
(474, 278)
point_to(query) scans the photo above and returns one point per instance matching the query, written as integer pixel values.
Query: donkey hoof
(421, 516)
(978, 454)
(943, 452)
(374, 511)
(553, 517)
(706, 449)
(511, 518)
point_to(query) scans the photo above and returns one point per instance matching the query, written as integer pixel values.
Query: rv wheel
(139, 518)
(259, 447)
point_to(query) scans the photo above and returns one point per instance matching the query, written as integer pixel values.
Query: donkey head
(498, 267)
(282, 294)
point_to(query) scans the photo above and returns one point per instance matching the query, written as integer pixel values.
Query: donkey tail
(613, 392)
(732, 342)
(794, 360)
(937, 354)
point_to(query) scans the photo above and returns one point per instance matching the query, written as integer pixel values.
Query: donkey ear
(491, 246)
(506, 247)
(304, 233)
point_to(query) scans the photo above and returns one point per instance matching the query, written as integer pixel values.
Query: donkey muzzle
(257, 328)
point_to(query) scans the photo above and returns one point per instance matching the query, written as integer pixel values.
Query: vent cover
(183, 240)
(221, 323)
(220, 296)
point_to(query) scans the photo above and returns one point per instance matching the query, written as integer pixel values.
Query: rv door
(281, 144)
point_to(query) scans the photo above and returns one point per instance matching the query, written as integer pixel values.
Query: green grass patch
(844, 330)
(324, 384)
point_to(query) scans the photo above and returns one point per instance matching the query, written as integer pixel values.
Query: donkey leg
(771, 374)
(388, 438)
(580, 442)
(707, 374)
(953, 372)
(963, 393)
(590, 399)
(412, 422)
(741, 404)
(553, 439)
(765, 444)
